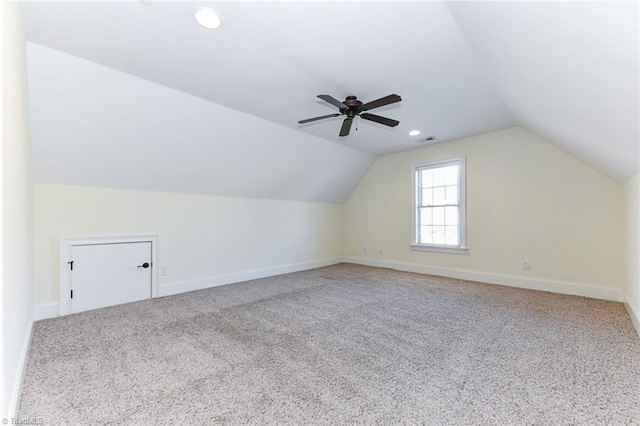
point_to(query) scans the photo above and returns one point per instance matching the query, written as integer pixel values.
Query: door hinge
(71, 264)
(72, 294)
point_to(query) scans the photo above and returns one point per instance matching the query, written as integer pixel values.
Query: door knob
(145, 265)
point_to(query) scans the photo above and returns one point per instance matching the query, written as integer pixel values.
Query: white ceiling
(567, 71)
(94, 126)
(271, 60)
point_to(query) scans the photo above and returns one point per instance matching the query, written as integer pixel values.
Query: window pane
(451, 216)
(438, 176)
(452, 236)
(426, 216)
(439, 197)
(426, 235)
(451, 194)
(427, 197)
(427, 178)
(438, 215)
(451, 175)
(438, 238)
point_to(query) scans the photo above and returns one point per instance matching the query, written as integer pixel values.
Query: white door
(109, 274)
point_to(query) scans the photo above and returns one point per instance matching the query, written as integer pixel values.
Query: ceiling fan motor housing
(354, 105)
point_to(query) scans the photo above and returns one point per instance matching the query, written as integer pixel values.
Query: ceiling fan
(352, 107)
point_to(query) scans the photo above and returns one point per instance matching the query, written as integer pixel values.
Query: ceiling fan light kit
(352, 107)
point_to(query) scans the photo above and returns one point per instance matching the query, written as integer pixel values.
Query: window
(439, 212)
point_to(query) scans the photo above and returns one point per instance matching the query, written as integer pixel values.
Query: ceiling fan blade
(382, 120)
(333, 101)
(309, 120)
(381, 102)
(346, 126)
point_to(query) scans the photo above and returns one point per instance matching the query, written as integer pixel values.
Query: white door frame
(66, 245)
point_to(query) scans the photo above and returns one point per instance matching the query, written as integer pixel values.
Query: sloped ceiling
(94, 126)
(271, 60)
(461, 69)
(568, 71)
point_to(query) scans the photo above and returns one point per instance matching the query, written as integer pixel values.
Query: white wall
(17, 201)
(526, 200)
(632, 285)
(202, 237)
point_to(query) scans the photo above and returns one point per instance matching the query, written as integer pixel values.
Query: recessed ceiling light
(414, 133)
(209, 19)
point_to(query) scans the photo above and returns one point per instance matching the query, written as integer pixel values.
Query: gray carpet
(344, 344)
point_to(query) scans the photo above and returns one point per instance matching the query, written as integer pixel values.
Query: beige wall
(526, 200)
(17, 202)
(632, 286)
(200, 236)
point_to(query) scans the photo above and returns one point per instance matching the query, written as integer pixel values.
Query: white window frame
(441, 248)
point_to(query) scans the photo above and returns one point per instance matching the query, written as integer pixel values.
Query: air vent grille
(428, 140)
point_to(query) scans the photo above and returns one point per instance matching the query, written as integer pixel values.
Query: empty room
(317, 212)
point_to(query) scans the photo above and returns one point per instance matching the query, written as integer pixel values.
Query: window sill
(440, 249)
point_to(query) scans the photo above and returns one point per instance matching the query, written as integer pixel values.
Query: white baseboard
(562, 287)
(177, 287)
(46, 310)
(14, 400)
(51, 309)
(634, 314)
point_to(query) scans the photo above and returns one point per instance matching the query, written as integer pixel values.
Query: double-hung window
(439, 208)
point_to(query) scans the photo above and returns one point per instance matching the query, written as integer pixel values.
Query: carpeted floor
(344, 344)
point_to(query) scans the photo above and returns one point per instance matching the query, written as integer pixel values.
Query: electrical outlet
(365, 250)
(526, 265)
(297, 255)
(163, 271)
(381, 252)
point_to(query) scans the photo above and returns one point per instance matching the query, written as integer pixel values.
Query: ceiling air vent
(428, 140)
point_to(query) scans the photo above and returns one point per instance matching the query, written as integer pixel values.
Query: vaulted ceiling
(566, 71)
